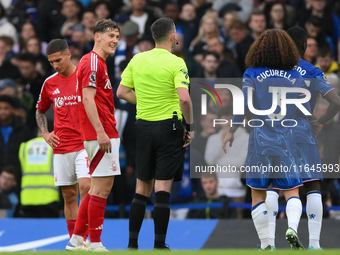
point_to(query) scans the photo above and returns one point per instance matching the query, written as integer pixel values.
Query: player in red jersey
(70, 158)
(98, 127)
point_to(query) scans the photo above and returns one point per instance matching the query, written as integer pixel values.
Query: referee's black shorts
(159, 150)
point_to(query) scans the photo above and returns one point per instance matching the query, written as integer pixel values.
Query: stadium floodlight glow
(279, 97)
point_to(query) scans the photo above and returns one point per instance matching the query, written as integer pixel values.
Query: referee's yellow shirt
(155, 75)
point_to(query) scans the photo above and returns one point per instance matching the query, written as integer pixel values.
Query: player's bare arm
(50, 137)
(229, 138)
(92, 113)
(333, 108)
(127, 94)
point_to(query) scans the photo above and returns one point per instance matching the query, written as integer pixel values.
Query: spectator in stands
(257, 24)
(187, 25)
(50, 20)
(325, 61)
(229, 182)
(201, 7)
(32, 80)
(208, 29)
(240, 35)
(330, 22)
(290, 10)
(276, 15)
(142, 16)
(127, 46)
(27, 31)
(39, 197)
(206, 129)
(6, 27)
(88, 20)
(226, 69)
(75, 48)
(314, 29)
(101, 9)
(145, 43)
(210, 183)
(228, 19)
(226, 99)
(23, 11)
(311, 50)
(13, 133)
(8, 87)
(7, 69)
(33, 45)
(78, 35)
(172, 11)
(245, 6)
(8, 189)
(209, 67)
(70, 11)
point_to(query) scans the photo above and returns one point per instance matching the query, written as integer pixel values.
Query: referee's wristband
(190, 127)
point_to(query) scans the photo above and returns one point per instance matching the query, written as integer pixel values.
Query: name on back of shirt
(274, 72)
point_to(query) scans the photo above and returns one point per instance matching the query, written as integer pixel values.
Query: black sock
(161, 216)
(137, 212)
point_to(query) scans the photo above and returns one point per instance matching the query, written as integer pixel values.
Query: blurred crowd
(213, 37)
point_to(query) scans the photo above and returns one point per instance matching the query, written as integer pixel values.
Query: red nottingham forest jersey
(92, 72)
(61, 93)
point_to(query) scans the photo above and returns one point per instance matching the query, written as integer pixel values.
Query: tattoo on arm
(41, 121)
(232, 129)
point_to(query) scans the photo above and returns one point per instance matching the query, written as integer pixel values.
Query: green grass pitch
(183, 252)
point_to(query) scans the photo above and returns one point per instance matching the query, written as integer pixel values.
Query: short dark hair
(161, 28)
(325, 50)
(239, 25)
(28, 57)
(214, 53)
(56, 45)
(299, 36)
(273, 49)
(10, 169)
(7, 40)
(315, 21)
(8, 99)
(105, 25)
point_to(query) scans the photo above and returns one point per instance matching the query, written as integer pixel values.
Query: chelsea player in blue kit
(271, 60)
(308, 158)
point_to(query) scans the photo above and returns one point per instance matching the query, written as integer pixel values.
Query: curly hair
(273, 49)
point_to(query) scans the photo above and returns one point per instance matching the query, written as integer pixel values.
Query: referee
(160, 81)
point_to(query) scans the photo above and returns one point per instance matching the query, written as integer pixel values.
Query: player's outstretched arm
(50, 138)
(127, 94)
(92, 113)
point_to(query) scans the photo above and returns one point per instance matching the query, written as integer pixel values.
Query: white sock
(314, 210)
(76, 240)
(259, 214)
(94, 245)
(272, 207)
(294, 211)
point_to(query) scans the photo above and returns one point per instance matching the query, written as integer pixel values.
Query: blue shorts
(309, 162)
(281, 171)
